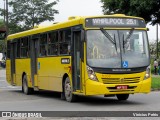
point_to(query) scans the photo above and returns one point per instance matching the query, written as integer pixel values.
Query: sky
(68, 8)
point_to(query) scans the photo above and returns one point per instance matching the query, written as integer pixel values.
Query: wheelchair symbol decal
(125, 64)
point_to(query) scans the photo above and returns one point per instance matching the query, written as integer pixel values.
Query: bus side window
(66, 42)
(52, 43)
(24, 47)
(43, 45)
(64, 48)
(8, 49)
(18, 48)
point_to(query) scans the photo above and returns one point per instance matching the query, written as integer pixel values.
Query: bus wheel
(122, 96)
(70, 97)
(26, 90)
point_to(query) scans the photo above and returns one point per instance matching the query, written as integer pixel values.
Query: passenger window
(24, 47)
(18, 48)
(53, 43)
(61, 36)
(65, 43)
(43, 45)
(8, 49)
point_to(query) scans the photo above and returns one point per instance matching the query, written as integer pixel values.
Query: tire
(122, 96)
(25, 89)
(68, 91)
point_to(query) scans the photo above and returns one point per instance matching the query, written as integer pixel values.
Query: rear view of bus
(118, 60)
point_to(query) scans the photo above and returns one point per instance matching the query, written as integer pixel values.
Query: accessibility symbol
(125, 64)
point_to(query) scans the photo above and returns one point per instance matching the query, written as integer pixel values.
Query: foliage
(2, 46)
(1, 23)
(26, 14)
(155, 82)
(153, 50)
(2, 42)
(148, 9)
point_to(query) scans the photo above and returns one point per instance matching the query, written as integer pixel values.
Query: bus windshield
(113, 48)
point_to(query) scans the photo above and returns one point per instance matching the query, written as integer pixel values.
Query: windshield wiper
(127, 38)
(113, 41)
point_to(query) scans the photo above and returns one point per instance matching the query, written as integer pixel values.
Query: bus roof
(72, 21)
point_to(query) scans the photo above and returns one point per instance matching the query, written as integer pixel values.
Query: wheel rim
(68, 91)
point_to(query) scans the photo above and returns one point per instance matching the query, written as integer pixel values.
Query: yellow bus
(96, 55)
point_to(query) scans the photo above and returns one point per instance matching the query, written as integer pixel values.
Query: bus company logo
(6, 114)
(122, 80)
(21, 114)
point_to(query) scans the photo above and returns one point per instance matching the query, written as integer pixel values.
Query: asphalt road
(12, 99)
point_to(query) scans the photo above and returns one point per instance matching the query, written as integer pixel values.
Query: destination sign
(114, 22)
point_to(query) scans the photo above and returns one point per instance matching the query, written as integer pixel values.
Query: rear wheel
(26, 90)
(122, 96)
(68, 91)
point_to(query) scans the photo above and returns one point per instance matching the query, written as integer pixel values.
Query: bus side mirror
(82, 35)
(147, 29)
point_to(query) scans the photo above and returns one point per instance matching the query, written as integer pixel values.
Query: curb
(155, 89)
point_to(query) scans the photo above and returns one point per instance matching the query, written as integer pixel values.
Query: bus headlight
(147, 73)
(91, 74)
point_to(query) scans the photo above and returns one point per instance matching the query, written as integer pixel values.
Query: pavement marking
(2, 80)
(8, 87)
(12, 87)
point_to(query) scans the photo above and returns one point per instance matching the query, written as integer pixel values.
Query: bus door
(76, 61)
(13, 63)
(34, 55)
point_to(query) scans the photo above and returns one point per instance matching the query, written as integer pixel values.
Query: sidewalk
(155, 75)
(2, 72)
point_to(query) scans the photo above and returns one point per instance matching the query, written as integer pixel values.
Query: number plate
(122, 87)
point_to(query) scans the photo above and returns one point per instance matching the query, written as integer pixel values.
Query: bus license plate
(122, 87)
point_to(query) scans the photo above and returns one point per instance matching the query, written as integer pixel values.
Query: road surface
(12, 99)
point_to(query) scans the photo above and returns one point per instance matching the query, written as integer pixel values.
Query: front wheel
(68, 91)
(25, 89)
(122, 96)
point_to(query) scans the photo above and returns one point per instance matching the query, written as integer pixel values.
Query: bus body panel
(146, 86)
(51, 72)
(8, 71)
(47, 28)
(23, 66)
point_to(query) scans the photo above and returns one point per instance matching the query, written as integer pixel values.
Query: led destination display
(114, 22)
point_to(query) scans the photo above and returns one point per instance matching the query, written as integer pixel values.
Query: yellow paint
(98, 88)
(51, 71)
(23, 66)
(35, 80)
(8, 71)
(69, 23)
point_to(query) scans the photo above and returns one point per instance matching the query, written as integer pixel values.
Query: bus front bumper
(98, 88)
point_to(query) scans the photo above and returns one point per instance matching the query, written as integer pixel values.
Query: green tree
(148, 9)
(26, 14)
(1, 23)
(2, 42)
